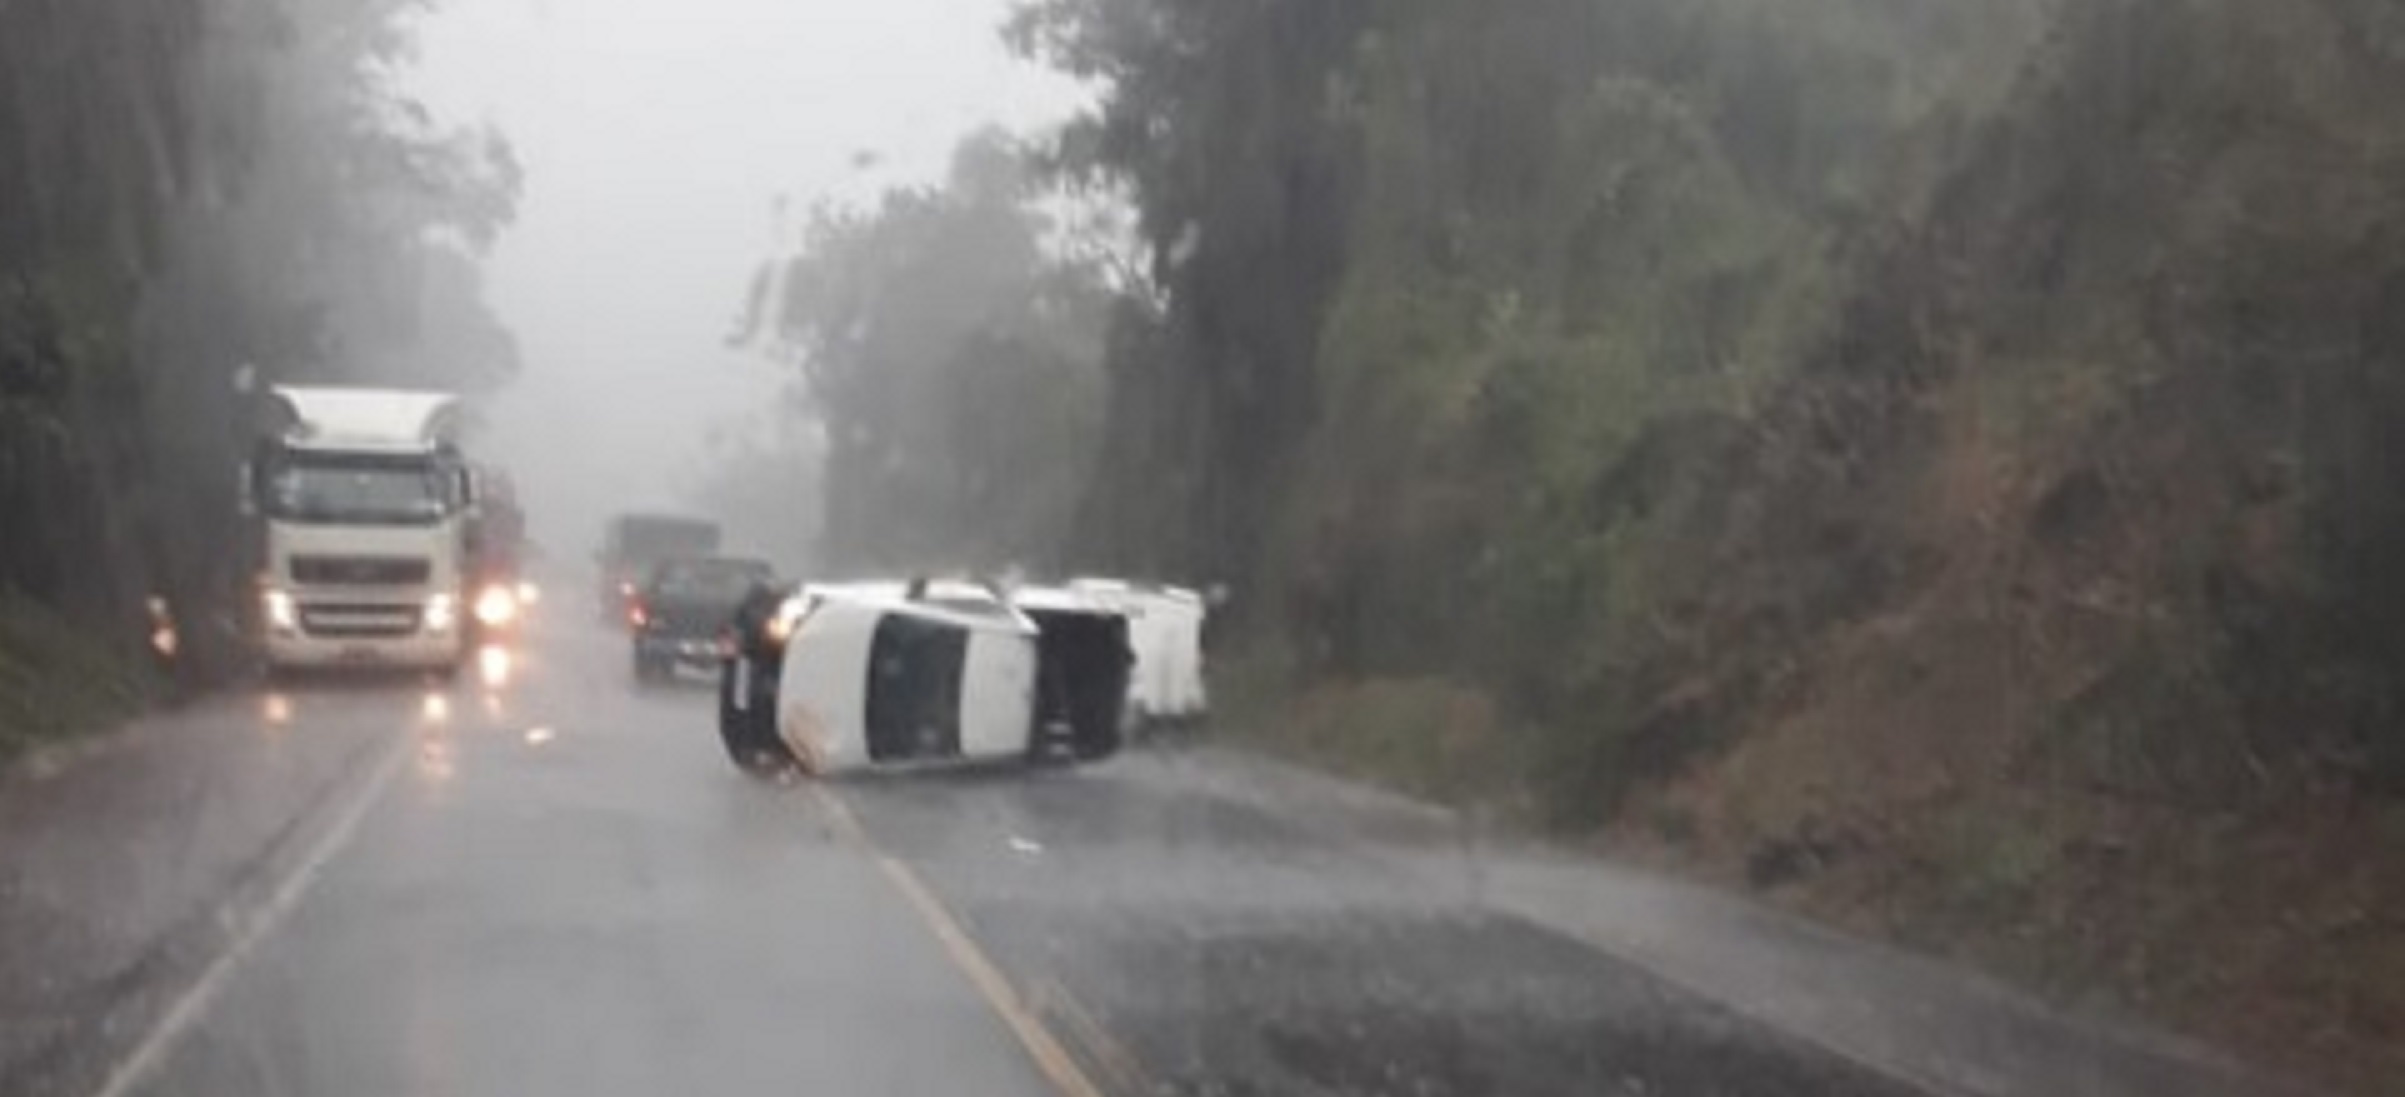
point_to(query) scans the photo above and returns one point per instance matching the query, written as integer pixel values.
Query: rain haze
(1051, 548)
(658, 139)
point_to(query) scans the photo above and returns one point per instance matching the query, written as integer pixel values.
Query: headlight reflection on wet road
(494, 666)
(438, 761)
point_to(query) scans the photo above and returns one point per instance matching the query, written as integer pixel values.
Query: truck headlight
(442, 613)
(282, 614)
(496, 606)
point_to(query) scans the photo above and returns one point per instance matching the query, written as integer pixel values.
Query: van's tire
(1072, 749)
(1095, 748)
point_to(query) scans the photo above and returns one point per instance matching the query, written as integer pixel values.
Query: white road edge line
(189, 1006)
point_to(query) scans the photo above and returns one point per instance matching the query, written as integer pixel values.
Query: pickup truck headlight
(442, 613)
(780, 627)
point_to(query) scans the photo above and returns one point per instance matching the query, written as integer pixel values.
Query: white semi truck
(365, 506)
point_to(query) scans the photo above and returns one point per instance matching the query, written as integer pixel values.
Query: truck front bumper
(423, 651)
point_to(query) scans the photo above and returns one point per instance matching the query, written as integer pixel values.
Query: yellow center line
(1105, 1052)
(1051, 1057)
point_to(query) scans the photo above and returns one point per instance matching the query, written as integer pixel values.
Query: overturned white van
(889, 675)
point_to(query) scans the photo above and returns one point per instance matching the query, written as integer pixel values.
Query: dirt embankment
(2093, 511)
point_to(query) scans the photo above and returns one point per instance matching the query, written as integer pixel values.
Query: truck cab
(364, 503)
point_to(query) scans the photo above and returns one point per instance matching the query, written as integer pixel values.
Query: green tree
(952, 355)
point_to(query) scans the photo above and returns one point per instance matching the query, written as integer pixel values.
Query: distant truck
(633, 544)
(364, 502)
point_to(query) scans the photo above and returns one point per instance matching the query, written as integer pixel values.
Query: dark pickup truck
(683, 610)
(634, 544)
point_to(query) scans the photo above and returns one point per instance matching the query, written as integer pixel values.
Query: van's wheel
(1072, 747)
(1094, 748)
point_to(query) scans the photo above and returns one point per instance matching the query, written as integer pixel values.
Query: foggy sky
(657, 136)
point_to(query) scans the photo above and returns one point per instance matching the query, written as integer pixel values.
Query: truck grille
(343, 622)
(362, 571)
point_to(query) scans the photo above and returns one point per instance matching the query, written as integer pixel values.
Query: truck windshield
(378, 490)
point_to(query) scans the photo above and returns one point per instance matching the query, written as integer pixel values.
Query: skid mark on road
(1051, 1056)
(252, 926)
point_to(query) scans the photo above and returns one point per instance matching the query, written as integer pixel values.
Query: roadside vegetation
(198, 193)
(58, 681)
(948, 345)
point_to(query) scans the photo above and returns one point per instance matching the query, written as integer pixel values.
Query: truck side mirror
(246, 490)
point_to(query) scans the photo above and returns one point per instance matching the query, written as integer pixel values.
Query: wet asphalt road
(558, 887)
